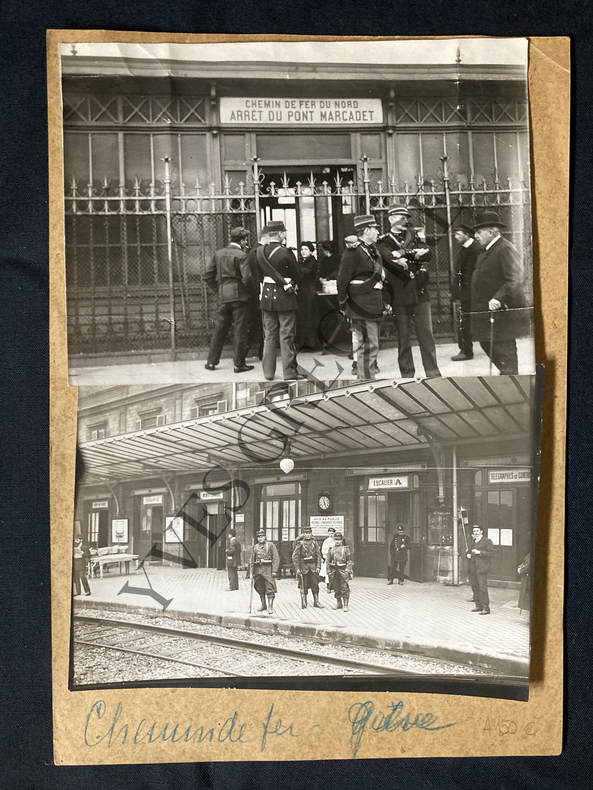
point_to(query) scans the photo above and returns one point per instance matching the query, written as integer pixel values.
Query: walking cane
(251, 565)
(491, 340)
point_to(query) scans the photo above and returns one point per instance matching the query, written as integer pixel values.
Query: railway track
(221, 655)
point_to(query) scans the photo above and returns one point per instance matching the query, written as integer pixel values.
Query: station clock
(325, 502)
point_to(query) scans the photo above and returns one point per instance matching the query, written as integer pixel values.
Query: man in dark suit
(233, 559)
(361, 280)
(479, 555)
(497, 285)
(398, 550)
(461, 288)
(230, 276)
(279, 274)
(405, 253)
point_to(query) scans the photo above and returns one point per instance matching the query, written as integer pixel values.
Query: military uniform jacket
(360, 271)
(229, 272)
(498, 274)
(406, 289)
(306, 555)
(273, 297)
(482, 560)
(233, 553)
(462, 282)
(266, 560)
(339, 561)
(399, 547)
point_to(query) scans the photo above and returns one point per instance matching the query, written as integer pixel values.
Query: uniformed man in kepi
(398, 549)
(307, 559)
(266, 562)
(339, 563)
(404, 252)
(279, 274)
(461, 288)
(229, 274)
(361, 284)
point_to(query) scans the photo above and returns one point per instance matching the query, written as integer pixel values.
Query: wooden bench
(111, 559)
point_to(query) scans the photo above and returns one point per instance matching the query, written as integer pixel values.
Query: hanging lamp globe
(287, 465)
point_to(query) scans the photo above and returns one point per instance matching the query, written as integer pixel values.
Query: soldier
(339, 563)
(81, 556)
(307, 559)
(461, 288)
(279, 275)
(230, 276)
(233, 558)
(266, 562)
(404, 253)
(398, 549)
(361, 280)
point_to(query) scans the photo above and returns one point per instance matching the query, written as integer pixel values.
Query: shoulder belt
(267, 267)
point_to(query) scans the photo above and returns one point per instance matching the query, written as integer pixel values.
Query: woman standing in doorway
(308, 317)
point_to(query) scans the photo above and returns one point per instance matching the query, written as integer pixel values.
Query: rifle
(251, 566)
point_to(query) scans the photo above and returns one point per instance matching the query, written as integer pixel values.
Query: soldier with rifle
(339, 563)
(265, 565)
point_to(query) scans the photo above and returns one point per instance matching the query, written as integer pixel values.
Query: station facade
(366, 459)
(158, 169)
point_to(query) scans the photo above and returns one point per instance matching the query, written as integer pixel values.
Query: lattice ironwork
(128, 110)
(444, 111)
(135, 256)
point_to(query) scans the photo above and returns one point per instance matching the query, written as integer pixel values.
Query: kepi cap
(465, 229)
(363, 221)
(395, 210)
(274, 226)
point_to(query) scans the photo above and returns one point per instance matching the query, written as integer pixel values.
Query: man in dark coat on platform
(405, 253)
(233, 560)
(497, 286)
(398, 550)
(479, 555)
(279, 274)
(361, 283)
(461, 288)
(230, 276)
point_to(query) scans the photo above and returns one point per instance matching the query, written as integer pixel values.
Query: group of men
(377, 276)
(332, 561)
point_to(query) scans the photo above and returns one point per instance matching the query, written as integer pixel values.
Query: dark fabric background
(25, 724)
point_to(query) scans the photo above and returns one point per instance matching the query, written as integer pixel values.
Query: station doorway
(315, 202)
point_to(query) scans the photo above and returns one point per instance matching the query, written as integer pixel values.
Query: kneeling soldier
(266, 562)
(307, 559)
(339, 563)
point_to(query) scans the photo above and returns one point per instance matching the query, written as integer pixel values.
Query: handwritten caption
(111, 728)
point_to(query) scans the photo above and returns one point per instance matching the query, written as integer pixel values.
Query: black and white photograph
(237, 534)
(251, 211)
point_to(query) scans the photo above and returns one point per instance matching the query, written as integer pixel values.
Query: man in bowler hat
(497, 285)
(279, 274)
(230, 276)
(461, 288)
(479, 556)
(361, 283)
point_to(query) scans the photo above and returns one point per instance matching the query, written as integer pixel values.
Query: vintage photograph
(242, 533)
(248, 212)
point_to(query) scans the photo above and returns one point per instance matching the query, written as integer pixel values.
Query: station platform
(429, 619)
(189, 367)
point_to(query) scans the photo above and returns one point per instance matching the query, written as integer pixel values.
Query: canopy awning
(353, 420)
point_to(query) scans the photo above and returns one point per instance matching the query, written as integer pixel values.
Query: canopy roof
(362, 418)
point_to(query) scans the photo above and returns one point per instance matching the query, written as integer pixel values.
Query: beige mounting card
(195, 725)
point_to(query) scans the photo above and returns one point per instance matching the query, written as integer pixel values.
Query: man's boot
(346, 599)
(264, 605)
(271, 604)
(339, 600)
(303, 600)
(316, 603)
